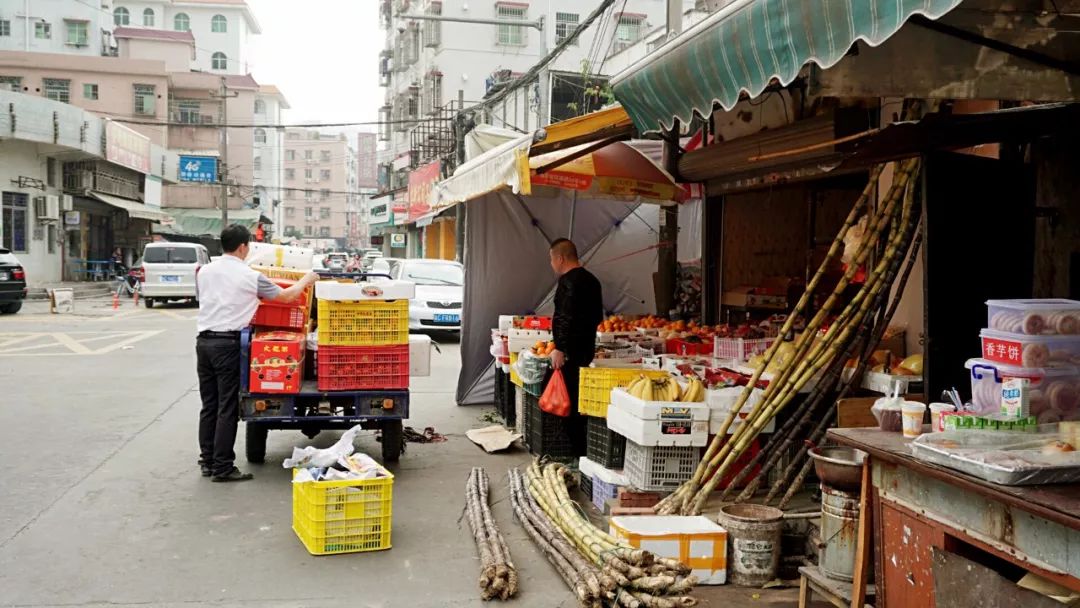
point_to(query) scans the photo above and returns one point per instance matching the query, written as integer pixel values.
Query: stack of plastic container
(278, 341)
(363, 335)
(1028, 367)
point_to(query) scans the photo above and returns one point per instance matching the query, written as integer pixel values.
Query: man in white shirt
(229, 293)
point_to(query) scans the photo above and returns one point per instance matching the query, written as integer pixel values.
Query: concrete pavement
(103, 504)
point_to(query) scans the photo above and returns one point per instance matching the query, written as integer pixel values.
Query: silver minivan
(169, 271)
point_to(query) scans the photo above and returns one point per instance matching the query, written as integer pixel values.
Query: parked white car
(439, 292)
(169, 271)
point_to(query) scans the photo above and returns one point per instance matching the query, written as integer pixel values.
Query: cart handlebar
(356, 276)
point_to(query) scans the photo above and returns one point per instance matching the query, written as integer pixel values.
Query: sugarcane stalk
(768, 407)
(690, 488)
(487, 562)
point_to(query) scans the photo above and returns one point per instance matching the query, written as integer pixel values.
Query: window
(90, 91)
(121, 16)
(57, 89)
(42, 30)
(412, 44)
(324, 175)
(433, 29)
(628, 31)
(188, 112)
(14, 221)
(432, 92)
(218, 61)
(289, 194)
(385, 116)
(5, 27)
(308, 194)
(219, 24)
(181, 22)
(290, 173)
(324, 231)
(170, 255)
(307, 154)
(307, 212)
(324, 194)
(324, 213)
(148, 17)
(565, 23)
(324, 156)
(290, 211)
(260, 136)
(307, 230)
(510, 35)
(10, 82)
(145, 100)
(290, 154)
(78, 33)
(308, 173)
(260, 106)
(50, 171)
(257, 163)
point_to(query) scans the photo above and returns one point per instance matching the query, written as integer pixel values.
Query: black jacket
(579, 308)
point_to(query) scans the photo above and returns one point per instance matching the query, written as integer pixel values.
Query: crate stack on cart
(278, 340)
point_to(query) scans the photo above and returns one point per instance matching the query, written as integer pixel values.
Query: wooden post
(669, 230)
(862, 548)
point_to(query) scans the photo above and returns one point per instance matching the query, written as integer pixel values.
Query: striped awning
(748, 43)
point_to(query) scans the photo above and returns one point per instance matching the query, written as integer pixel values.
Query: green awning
(198, 222)
(746, 44)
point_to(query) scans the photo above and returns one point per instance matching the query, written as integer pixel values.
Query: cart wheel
(255, 442)
(149, 302)
(391, 441)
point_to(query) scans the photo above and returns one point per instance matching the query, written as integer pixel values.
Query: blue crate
(601, 492)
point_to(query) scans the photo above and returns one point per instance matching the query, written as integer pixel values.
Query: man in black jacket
(579, 308)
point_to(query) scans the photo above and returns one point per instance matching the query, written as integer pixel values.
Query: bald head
(564, 256)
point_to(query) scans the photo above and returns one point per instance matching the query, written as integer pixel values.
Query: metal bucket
(753, 542)
(839, 532)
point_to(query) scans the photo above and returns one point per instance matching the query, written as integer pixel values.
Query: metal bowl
(839, 467)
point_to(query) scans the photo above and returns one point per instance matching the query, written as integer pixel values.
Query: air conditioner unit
(67, 203)
(47, 207)
(206, 119)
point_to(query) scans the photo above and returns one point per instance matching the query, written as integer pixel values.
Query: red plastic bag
(556, 399)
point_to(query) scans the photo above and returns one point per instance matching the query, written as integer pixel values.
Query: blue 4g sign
(198, 169)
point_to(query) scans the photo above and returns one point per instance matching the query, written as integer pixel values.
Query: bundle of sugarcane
(628, 577)
(498, 577)
(890, 223)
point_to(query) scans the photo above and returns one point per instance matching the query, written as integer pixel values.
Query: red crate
(740, 464)
(291, 315)
(350, 368)
(677, 346)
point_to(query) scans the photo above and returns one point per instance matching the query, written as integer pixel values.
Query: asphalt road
(102, 503)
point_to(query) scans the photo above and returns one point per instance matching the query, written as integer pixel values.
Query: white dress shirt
(229, 292)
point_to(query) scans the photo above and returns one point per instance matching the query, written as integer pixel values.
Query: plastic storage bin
(346, 368)
(1054, 396)
(595, 384)
(363, 323)
(586, 486)
(659, 468)
(658, 422)
(343, 516)
(1034, 317)
(603, 445)
(603, 491)
(1029, 351)
(548, 435)
(740, 349)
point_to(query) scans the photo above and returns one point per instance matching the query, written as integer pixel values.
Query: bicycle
(127, 283)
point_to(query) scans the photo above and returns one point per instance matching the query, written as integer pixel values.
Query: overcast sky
(323, 55)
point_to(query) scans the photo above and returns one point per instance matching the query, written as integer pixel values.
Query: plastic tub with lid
(1054, 396)
(1034, 317)
(1029, 351)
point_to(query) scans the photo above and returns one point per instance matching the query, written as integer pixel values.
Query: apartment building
(316, 198)
(268, 165)
(222, 28)
(56, 26)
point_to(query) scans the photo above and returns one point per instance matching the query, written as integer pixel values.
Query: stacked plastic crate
(278, 342)
(363, 335)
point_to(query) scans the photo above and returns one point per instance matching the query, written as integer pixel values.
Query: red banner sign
(127, 147)
(421, 181)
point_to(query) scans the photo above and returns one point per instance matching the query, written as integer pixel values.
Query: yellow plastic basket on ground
(343, 516)
(363, 322)
(595, 384)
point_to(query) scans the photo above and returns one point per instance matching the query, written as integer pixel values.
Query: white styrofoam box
(521, 339)
(702, 541)
(597, 470)
(652, 423)
(605, 337)
(419, 355)
(383, 290)
(279, 256)
(720, 402)
(506, 322)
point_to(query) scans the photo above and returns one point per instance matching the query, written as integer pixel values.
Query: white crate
(659, 468)
(720, 402)
(656, 423)
(740, 349)
(352, 292)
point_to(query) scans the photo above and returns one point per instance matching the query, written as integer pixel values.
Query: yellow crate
(280, 273)
(514, 377)
(343, 516)
(595, 384)
(363, 322)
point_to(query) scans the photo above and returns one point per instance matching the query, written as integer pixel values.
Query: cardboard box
(277, 362)
(694, 540)
(754, 297)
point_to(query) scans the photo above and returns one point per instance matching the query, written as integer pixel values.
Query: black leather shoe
(206, 471)
(233, 475)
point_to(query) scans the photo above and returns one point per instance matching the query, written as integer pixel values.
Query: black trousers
(576, 423)
(219, 387)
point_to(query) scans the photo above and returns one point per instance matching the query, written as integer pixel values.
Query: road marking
(71, 343)
(18, 340)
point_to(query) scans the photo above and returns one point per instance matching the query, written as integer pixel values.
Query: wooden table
(923, 512)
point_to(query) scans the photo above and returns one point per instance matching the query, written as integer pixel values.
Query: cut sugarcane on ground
(498, 577)
(887, 238)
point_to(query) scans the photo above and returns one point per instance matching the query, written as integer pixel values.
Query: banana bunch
(666, 389)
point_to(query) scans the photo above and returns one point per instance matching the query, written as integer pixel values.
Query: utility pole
(223, 168)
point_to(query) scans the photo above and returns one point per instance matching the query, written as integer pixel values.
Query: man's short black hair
(566, 248)
(233, 236)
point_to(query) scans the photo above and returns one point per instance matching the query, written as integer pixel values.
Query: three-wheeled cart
(311, 411)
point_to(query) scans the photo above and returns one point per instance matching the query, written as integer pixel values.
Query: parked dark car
(12, 283)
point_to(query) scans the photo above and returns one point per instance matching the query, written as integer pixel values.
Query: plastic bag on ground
(310, 456)
(556, 399)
